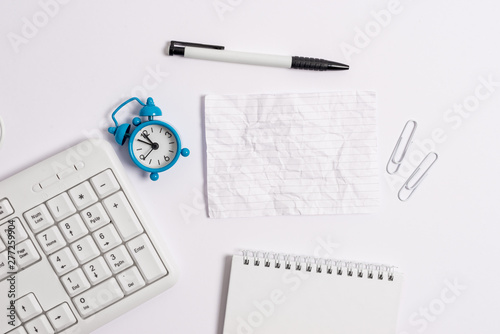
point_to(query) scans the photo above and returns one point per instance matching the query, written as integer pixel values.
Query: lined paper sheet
(292, 154)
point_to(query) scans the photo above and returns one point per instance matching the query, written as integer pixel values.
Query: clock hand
(147, 137)
(155, 146)
(151, 150)
(145, 142)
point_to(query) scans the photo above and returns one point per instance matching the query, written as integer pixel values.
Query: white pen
(217, 53)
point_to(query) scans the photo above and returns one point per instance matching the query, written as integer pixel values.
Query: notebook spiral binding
(318, 265)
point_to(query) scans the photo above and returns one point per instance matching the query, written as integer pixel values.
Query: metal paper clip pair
(420, 172)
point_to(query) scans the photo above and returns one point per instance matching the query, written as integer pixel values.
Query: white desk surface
(86, 57)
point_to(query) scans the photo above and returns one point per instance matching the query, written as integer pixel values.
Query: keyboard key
(97, 270)
(107, 237)
(5, 208)
(118, 259)
(122, 214)
(19, 233)
(38, 218)
(75, 282)
(105, 183)
(85, 249)
(63, 261)
(18, 330)
(83, 195)
(28, 307)
(51, 240)
(61, 317)
(98, 297)
(146, 258)
(73, 228)
(95, 217)
(26, 254)
(61, 206)
(4, 266)
(130, 280)
(39, 325)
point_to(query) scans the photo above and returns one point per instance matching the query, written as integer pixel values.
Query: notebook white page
(292, 154)
(269, 300)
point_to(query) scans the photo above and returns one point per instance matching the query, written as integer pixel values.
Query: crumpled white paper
(292, 154)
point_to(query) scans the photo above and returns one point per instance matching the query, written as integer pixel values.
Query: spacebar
(97, 298)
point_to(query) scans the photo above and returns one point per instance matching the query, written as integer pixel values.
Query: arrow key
(97, 270)
(73, 228)
(39, 325)
(107, 237)
(61, 317)
(63, 261)
(27, 307)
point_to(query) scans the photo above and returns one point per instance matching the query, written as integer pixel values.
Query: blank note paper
(292, 154)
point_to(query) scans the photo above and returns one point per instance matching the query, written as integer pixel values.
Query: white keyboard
(85, 252)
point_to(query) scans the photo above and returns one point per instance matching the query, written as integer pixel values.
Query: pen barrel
(238, 57)
(316, 64)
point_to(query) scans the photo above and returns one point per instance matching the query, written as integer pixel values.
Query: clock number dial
(155, 146)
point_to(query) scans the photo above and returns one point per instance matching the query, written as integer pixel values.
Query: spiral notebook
(283, 294)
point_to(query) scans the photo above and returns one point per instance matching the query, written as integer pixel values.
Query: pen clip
(177, 47)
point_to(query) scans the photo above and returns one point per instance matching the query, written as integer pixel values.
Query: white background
(61, 84)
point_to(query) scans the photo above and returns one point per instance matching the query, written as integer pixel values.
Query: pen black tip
(337, 66)
(315, 64)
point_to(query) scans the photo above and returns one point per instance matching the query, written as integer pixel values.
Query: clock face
(155, 146)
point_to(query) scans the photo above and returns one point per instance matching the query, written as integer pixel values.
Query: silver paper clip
(410, 186)
(398, 162)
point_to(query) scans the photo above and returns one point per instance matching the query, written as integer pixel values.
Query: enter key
(146, 258)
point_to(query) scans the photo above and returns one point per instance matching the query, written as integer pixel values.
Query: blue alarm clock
(154, 146)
